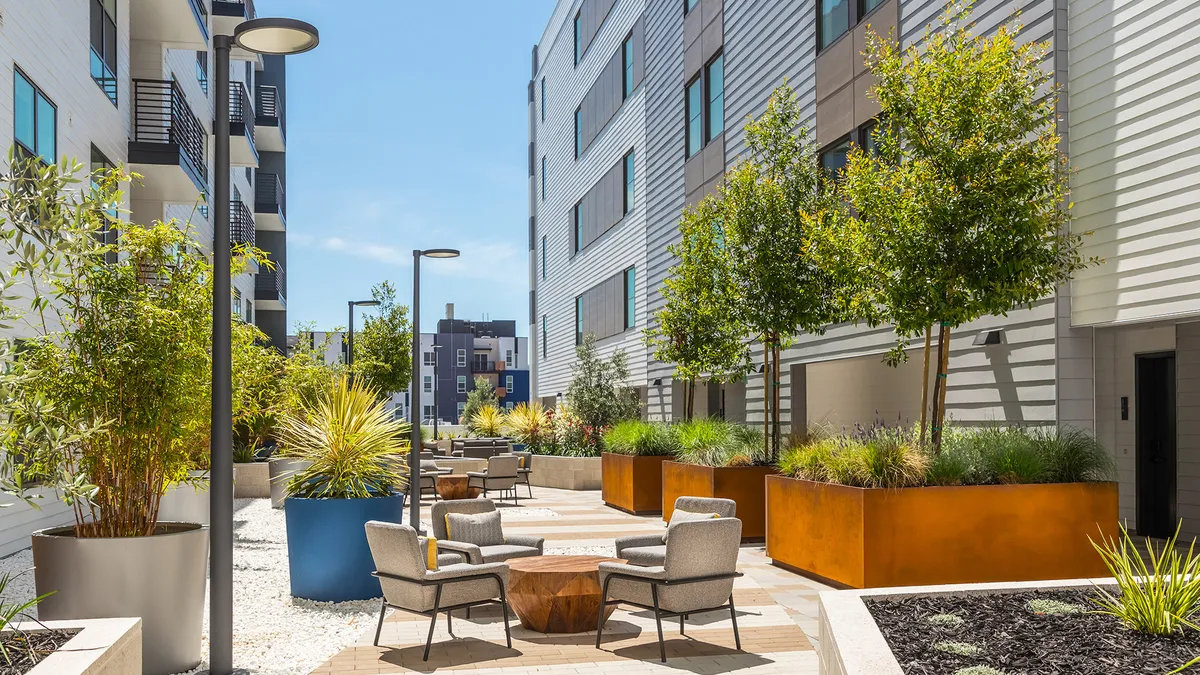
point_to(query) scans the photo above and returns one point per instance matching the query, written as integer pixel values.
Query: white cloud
(479, 260)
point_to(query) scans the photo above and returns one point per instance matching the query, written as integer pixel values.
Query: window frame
(706, 104)
(627, 67)
(460, 358)
(578, 36)
(697, 82)
(543, 178)
(39, 95)
(689, 5)
(508, 358)
(427, 384)
(579, 319)
(577, 227)
(544, 257)
(629, 283)
(428, 359)
(856, 12)
(578, 132)
(110, 74)
(508, 384)
(628, 172)
(545, 331)
(543, 98)
(461, 384)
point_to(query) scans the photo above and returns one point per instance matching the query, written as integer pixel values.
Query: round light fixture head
(277, 36)
(440, 253)
(366, 303)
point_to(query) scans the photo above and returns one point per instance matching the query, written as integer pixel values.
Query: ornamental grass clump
(642, 439)
(355, 447)
(529, 424)
(878, 458)
(718, 443)
(1159, 594)
(488, 421)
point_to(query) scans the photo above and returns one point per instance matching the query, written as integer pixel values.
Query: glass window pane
(579, 319)
(691, 4)
(835, 20)
(23, 125)
(110, 44)
(627, 77)
(543, 176)
(96, 26)
(543, 99)
(629, 187)
(868, 5)
(630, 296)
(834, 158)
(543, 256)
(716, 97)
(694, 128)
(46, 125)
(578, 132)
(578, 219)
(577, 53)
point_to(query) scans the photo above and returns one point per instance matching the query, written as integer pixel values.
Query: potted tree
(105, 399)
(631, 465)
(356, 453)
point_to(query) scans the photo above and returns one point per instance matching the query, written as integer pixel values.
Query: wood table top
(569, 564)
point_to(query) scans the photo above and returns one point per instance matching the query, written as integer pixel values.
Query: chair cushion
(678, 516)
(646, 556)
(481, 529)
(502, 552)
(428, 465)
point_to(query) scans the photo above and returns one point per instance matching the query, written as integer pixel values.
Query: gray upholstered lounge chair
(697, 576)
(524, 469)
(514, 546)
(400, 565)
(650, 549)
(429, 473)
(501, 474)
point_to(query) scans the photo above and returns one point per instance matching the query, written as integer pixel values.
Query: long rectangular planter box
(101, 647)
(251, 479)
(742, 484)
(870, 538)
(566, 473)
(632, 483)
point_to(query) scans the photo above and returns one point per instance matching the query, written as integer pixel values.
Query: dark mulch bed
(1016, 641)
(25, 650)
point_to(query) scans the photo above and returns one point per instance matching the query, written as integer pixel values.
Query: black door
(1156, 445)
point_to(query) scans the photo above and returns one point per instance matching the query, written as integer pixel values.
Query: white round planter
(183, 503)
(280, 472)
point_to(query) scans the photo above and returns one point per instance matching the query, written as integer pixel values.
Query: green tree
(770, 201)
(960, 213)
(697, 329)
(383, 348)
(598, 395)
(306, 375)
(482, 394)
(257, 373)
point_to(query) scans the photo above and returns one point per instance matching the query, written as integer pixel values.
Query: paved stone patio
(777, 615)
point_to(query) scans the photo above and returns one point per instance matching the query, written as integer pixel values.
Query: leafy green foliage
(383, 349)
(1158, 594)
(646, 439)
(481, 395)
(307, 376)
(244, 454)
(598, 395)
(257, 396)
(11, 611)
(355, 447)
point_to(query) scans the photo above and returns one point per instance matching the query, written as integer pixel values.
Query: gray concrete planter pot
(159, 579)
(251, 480)
(279, 472)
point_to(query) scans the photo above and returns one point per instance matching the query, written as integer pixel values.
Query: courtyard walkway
(777, 615)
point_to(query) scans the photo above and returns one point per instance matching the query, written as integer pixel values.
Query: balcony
(486, 366)
(241, 223)
(270, 289)
(242, 151)
(168, 143)
(178, 24)
(269, 120)
(227, 15)
(270, 207)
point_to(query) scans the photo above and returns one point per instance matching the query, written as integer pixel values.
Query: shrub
(528, 423)
(1072, 456)
(715, 442)
(487, 421)
(1010, 455)
(646, 439)
(482, 394)
(1158, 598)
(884, 458)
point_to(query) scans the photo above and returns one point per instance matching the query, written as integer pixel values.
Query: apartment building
(128, 82)
(1114, 352)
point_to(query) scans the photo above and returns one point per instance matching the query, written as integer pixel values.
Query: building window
(577, 225)
(630, 298)
(462, 384)
(249, 311)
(865, 6)
(695, 126)
(430, 358)
(104, 46)
(714, 112)
(832, 22)
(578, 132)
(508, 384)
(866, 134)
(544, 333)
(629, 193)
(508, 405)
(35, 119)
(627, 67)
(543, 99)
(236, 303)
(508, 358)
(833, 157)
(428, 412)
(579, 319)
(427, 385)
(462, 358)
(461, 406)
(543, 178)
(108, 233)
(689, 5)
(543, 257)
(578, 42)
(202, 70)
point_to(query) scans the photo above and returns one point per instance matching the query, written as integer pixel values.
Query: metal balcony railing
(270, 284)
(243, 8)
(200, 11)
(241, 223)
(268, 194)
(268, 101)
(161, 114)
(240, 111)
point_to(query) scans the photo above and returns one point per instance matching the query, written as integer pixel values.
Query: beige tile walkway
(777, 615)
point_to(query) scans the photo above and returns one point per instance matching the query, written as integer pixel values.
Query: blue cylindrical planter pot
(518, 447)
(328, 556)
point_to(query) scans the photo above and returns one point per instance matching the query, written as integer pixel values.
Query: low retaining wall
(567, 473)
(851, 642)
(102, 647)
(461, 465)
(251, 479)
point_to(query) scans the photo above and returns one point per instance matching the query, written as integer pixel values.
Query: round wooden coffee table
(454, 486)
(557, 593)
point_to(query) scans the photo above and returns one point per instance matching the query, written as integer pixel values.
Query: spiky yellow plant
(488, 421)
(1157, 598)
(355, 447)
(528, 423)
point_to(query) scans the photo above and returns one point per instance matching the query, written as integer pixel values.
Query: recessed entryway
(1155, 382)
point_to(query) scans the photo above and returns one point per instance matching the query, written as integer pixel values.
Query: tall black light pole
(261, 36)
(436, 348)
(350, 305)
(414, 452)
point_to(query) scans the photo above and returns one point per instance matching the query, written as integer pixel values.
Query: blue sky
(407, 128)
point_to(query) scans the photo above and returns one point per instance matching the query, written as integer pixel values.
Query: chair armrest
(524, 540)
(471, 551)
(452, 572)
(477, 474)
(637, 540)
(623, 569)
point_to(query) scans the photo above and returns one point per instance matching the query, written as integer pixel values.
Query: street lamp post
(414, 452)
(436, 348)
(263, 36)
(350, 305)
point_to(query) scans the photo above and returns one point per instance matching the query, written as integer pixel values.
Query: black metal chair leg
(504, 613)
(449, 624)
(437, 600)
(662, 649)
(733, 617)
(529, 486)
(468, 613)
(681, 624)
(516, 496)
(379, 628)
(603, 606)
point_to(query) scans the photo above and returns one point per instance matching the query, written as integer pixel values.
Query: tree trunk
(945, 386)
(766, 398)
(691, 398)
(775, 434)
(939, 388)
(925, 385)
